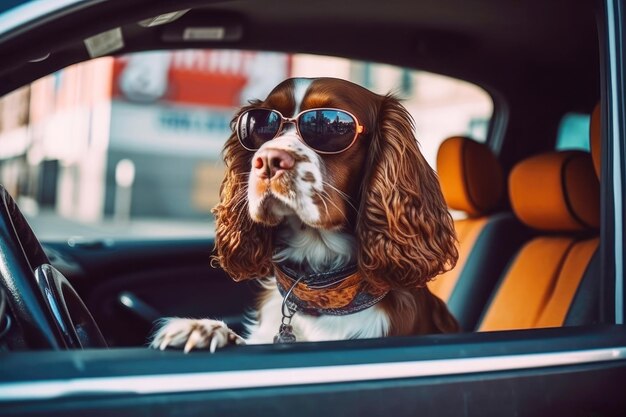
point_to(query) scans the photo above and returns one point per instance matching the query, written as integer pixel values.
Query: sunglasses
(325, 130)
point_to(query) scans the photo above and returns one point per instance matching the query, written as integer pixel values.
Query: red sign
(213, 78)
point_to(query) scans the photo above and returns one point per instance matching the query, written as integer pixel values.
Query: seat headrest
(556, 191)
(595, 135)
(470, 176)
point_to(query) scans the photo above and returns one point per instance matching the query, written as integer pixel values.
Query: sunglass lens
(327, 130)
(255, 127)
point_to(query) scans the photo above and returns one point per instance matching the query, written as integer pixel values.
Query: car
(113, 118)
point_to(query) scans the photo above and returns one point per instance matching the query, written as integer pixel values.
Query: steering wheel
(48, 310)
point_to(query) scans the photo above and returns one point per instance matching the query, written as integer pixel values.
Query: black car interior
(520, 53)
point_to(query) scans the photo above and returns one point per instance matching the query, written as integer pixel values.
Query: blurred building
(62, 138)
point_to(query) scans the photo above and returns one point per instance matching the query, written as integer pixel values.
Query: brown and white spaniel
(328, 201)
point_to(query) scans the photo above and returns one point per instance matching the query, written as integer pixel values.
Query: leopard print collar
(339, 292)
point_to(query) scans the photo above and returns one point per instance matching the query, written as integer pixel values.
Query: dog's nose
(268, 163)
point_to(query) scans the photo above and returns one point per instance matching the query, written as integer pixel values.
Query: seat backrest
(557, 194)
(586, 306)
(472, 184)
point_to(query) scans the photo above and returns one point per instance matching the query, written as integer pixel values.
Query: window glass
(130, 146)
(574, 132)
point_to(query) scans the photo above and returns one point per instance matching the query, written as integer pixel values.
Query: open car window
(131, 146)
(116, 163)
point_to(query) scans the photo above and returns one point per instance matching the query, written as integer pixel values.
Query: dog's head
(338, 157)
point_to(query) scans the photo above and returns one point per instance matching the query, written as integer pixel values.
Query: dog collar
(337, 293)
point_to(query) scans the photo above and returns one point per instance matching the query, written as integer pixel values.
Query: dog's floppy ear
(405, 232)
(244, 248)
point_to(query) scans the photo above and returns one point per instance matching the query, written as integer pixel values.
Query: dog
(328, 201)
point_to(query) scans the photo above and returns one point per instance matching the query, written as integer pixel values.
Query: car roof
(500, 45)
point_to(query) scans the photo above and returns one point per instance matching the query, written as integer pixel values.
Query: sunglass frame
(284, 120)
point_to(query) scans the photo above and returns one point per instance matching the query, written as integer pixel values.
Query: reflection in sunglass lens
(255, 127)
(327, 130)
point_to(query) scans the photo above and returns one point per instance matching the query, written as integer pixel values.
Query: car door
(550, 372)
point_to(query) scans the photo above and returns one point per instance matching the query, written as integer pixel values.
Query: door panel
(128, 285)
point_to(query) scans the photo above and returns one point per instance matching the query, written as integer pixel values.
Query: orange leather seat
(558, 195)
(472, 184)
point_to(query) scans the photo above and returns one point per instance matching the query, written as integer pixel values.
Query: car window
(573, 132)
(130, 146)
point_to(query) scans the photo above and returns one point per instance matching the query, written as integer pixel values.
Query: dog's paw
(194, 334)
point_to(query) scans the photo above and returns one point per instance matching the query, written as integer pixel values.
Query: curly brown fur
(244, 248)
(406, 234)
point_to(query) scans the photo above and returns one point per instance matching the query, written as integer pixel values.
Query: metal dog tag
(285, 334)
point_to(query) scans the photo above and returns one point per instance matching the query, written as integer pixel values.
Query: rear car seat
(586, 306)
(558, 195)
(472, 183)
